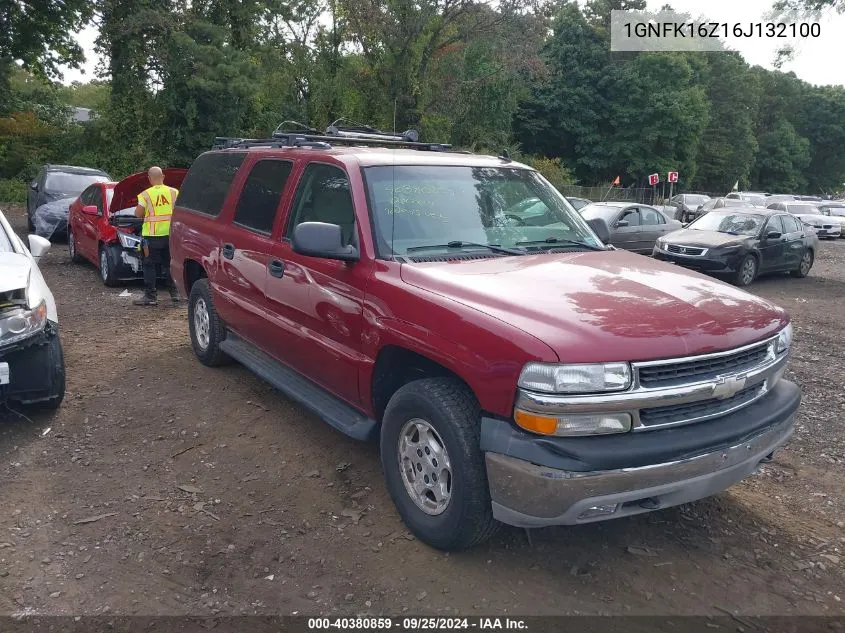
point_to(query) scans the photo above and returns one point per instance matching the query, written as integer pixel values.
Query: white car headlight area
(575, 379)
(127, 240)
(19, 324)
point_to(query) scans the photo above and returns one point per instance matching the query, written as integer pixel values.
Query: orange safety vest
(158, 207)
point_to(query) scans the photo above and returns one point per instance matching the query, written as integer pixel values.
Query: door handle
(276, 268)
(229, 251)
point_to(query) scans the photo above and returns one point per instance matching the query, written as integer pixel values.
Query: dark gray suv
(55, 182)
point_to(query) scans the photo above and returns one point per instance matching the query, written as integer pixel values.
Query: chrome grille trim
(695, 390)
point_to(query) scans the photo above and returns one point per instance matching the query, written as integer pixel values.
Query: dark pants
(157, 263)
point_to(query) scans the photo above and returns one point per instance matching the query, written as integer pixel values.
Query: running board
(311, 396)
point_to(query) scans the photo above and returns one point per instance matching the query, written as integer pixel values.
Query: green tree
(784, 154)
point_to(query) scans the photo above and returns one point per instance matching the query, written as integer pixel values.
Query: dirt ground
(162, 487)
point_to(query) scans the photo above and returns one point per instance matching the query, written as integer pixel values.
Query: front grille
(698, 410)
(702, 369)
(827, 226)
(684, 250)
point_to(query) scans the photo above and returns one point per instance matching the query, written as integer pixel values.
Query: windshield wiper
(559, 240)
(496, 248)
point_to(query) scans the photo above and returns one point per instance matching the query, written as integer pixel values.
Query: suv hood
(604, 306)
(14, 271)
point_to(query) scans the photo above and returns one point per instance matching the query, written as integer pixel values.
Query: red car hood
(127, 190)
(605, 306)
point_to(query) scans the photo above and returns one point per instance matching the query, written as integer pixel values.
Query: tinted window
(323, 196)
(790, 224)
(71, 183)
(89, 196)
(207, 182)
(650, 217)
(631, 216)
(261, 194)
(775, 224)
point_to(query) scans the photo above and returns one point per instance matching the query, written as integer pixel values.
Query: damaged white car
(32, 366)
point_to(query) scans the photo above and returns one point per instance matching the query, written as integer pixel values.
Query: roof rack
(335, 135)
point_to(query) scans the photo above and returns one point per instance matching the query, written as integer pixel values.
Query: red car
(458, 309)
(102, 227)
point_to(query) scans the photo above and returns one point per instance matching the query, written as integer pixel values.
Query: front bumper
(833, 232)
(29, 362)
(712, 262)
(540, 481)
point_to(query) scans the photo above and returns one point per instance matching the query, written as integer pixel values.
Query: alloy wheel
(749, 267)
(201, 323)
(104, 265)
(806, 262)
(425, 466)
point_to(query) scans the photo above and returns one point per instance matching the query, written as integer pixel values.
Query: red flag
(617, 181)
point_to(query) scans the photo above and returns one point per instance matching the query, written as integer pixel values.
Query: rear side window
(261, 194)
(207, 183)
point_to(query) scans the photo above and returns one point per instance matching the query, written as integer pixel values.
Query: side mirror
(622, 223)
(38, 245)
(320, 239)
(34, 186)
(772, 235)
(601, 230)
(90, 209)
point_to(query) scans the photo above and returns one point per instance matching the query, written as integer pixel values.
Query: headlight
(20, 323)
(575, 378)
(127, 240)
(575, 424)
(784, 340)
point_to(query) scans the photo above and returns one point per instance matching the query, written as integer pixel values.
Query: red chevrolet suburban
(457, 309)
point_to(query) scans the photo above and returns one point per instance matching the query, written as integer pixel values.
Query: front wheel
(433, 464)
(109, 263)
(205, 326)
(746, 271)
(804, 265)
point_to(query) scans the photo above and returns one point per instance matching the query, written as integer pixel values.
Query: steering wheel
(519, 221)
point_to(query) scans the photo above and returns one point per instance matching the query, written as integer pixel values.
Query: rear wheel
(804, 264)
(206, 329)
(72, 248)
(109, 263)
(433, 465)
(746, 271)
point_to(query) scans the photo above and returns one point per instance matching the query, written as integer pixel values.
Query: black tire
(452, 411)
(109, 263)
(804, 264)
(746, 271)
(30, 226)
(75, 257)
(199, 299)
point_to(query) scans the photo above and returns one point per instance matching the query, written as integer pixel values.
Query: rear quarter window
(207, 182)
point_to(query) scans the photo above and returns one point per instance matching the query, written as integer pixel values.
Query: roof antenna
(505, 155)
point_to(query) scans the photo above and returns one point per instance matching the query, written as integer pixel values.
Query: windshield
(71, 183)
(734, 223)
(428, 206)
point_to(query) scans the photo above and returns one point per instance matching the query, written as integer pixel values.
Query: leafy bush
(551, 168)
(12, 191)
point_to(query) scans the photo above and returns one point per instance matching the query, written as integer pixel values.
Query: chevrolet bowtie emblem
(727, 386)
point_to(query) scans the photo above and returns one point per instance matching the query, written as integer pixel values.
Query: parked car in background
(756, 198)
(512, 367)
(811, 215)
(633, 227)
(741, 244)
(50, 219)
(717, 203)
(578, 203)
(55, 182)
(686, 204)
(809, 198)
(780, 197)
(32, 366)
(102, 227)
(835, 211)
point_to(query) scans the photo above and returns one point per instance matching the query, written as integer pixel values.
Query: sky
(817, 61)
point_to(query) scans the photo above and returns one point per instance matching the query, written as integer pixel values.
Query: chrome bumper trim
(527, 495)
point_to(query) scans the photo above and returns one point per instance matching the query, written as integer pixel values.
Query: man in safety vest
(155, 206)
